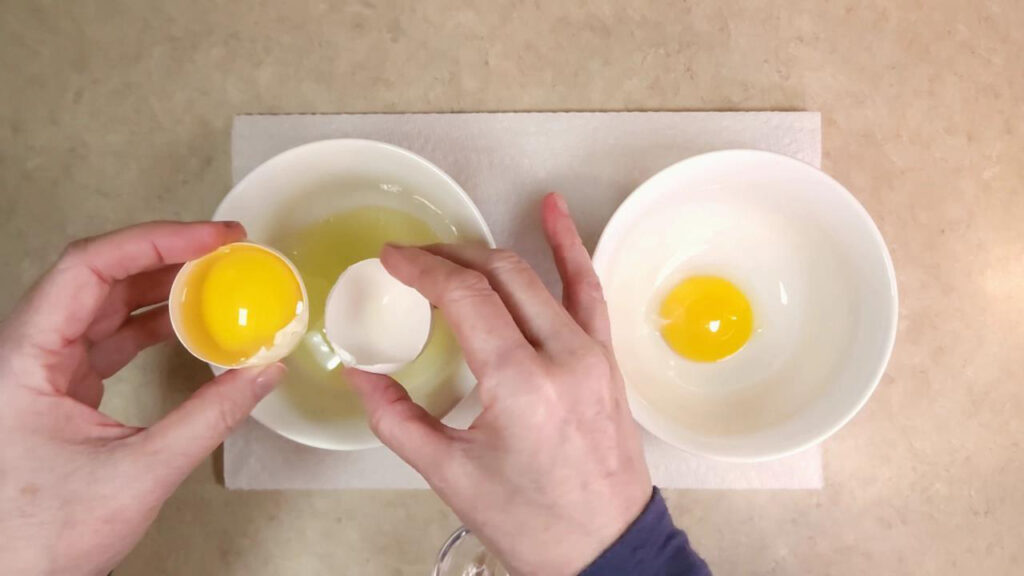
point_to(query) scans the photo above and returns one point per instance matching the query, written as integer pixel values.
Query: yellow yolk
(236, 301)
(705, 319)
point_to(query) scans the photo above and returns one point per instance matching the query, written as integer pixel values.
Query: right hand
(552, 472)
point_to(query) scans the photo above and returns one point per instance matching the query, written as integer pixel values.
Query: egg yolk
(237, 299)
(705, 319)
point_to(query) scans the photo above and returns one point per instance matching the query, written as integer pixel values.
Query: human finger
(542, 320)
(85, 385)
(122, 253)
(581, 288)
(401, 424)
(129, 295)
(66, 300)
(482, 324)
(139, 332)
(182, 439)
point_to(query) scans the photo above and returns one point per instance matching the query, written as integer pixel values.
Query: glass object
(464, 555)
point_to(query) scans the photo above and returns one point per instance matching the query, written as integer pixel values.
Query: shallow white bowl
(300, 187)
(817, 273)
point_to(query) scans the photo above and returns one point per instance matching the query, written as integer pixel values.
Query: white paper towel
(506, 162)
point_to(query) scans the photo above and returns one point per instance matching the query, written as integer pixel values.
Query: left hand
(77, 488)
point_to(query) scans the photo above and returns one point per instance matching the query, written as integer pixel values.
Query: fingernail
(560, 203)
(235, 226)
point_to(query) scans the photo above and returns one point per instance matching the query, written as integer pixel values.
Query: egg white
(791, 281)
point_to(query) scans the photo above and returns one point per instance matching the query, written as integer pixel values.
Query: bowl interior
(305, 185)
(815, 269)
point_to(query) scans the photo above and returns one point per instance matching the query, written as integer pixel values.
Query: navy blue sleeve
(651, 546)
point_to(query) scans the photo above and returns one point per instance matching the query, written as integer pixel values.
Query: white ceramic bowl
(816, 271)
(300, 187)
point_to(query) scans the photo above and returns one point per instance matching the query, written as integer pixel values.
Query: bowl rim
(606, 243)
(286, 156)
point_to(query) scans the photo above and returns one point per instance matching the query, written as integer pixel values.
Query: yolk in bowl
(705, 319)
(236, 300)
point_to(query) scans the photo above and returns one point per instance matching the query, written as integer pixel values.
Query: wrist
(568, 543)
(618, 521)
(651, 546)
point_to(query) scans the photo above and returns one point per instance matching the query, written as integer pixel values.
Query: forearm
(651, 546)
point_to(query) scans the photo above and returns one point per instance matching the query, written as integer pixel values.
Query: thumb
(183, 438)
(401, 424)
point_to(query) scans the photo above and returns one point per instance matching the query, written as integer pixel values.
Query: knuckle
(393, 408)
(592, 363)
(504, 261)
(76, 255)
(572, 241)
(225, 416)
(379, 422)
(468, 285)
(75, 249)
(389, 422)
(590, 287)
(229, 407)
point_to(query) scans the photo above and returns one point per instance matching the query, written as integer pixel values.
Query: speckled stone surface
(113, 112)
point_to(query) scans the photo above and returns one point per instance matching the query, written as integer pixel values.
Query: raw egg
(705, 318)
(241, 305)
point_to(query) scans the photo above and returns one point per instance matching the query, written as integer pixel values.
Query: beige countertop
(113, 112)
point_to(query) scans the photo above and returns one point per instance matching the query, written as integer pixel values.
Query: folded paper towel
(506, 162)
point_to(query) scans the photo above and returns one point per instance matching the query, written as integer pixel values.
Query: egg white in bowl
(327, 205)
(800, 250)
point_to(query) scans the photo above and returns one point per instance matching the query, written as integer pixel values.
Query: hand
(552, 471)
(78, 489)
